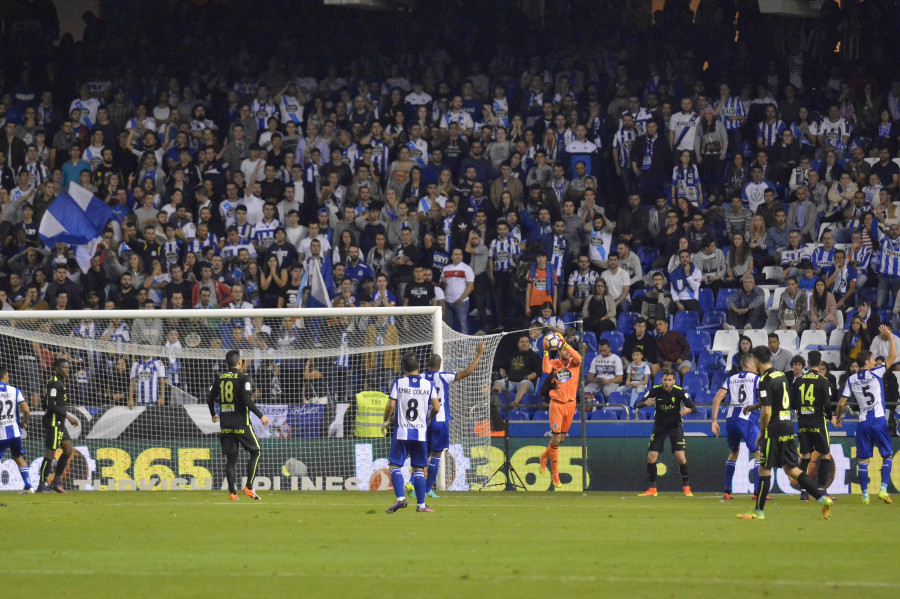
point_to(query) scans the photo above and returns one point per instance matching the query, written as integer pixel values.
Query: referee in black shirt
(233, 392)
(811, 400)
(777, 445)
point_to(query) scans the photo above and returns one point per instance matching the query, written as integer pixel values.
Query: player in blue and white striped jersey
(148, 382)
(741, 424)
(11, 399)
(866, 387)
(409, 398)
(889, 266)
(438, 432)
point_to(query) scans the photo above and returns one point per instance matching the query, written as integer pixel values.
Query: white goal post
(139, 380)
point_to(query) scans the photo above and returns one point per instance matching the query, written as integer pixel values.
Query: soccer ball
(555, 342)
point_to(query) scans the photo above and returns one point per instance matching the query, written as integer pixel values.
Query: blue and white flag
(319, 281)
(77, 218)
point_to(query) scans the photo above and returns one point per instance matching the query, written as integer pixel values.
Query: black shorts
(674, 432)
(778, 452)
(234, 438)
(814, 438)
(55, 435)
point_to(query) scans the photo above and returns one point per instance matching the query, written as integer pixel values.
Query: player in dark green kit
(667, 422)
(233, 392)
(811, 400)
(55, 434)
(777, 445)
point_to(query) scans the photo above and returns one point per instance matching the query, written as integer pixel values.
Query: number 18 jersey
(413, 395)
(867, 388)
(741, 389)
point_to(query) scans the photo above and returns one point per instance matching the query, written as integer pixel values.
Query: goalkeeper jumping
(233, 392)
(563, 372)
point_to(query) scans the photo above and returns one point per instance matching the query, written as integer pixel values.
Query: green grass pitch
(342, 544)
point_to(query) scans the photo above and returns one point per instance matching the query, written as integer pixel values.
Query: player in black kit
(777, 445)
(233, 392)
(667, 422)
(55, 434)
(811, 400)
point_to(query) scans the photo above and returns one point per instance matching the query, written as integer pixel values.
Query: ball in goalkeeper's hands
(554, 341)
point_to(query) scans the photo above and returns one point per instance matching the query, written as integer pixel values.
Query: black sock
(804, 464)
(61, 464)
(651, 474)
(45, 471)
(765, 483)
(807, 483)
(251, 468)
(824, 471)
(230, 471)
(684, 474)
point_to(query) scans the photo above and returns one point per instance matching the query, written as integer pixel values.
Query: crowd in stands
(662, 178)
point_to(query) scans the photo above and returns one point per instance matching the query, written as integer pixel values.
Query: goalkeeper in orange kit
(563, 373)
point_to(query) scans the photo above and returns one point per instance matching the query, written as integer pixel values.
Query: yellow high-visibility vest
(370, 413)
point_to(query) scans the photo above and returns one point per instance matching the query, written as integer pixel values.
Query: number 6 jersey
(413, 395)
(867, 388)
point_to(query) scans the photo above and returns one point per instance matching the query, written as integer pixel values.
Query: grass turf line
(198, 544)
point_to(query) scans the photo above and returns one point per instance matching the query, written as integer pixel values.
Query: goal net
(139, 381)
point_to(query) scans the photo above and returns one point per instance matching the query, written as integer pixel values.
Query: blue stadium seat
(590, 339)
(870, 294)
(710, 361)
(886, 316)
(589, 356)
(706, 299)
(722, 297)
(541, 415)
(646, 413)
(569, 318)
(699, 342)
(625, 322)
(616, 341)
(604, 415)
(718, 377)
(850, 314)
(723, 413)
(619, 397)
(657, 380)
(686, 321)
(518, 415)
(714, 318)
(700, 415)
(647, 256)
(695, 382)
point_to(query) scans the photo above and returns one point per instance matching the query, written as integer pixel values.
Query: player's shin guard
(251, 468)
(684, 474)
(397, 482)
(864, 477)
(26, 476)
(554, 460)
(812, 488)
(418, 481)
(45, 471)
(231, 471)
(824, 471)
(433, 464)
(729, 475)
(886, 472)
(651, 474)
(755, 474)
(61, 464)
(765, 483)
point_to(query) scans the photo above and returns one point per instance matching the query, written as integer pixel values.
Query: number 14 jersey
(413, 395)
(867, 388)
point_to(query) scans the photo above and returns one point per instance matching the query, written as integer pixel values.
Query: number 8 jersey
(413, 395)
(867, 388)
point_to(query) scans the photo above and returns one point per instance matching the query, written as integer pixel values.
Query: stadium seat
(723, 413)
(836, 337)
(776, 298)
(813, 338)
(718, 377)
(886, 316)
(646, 257)
(787, 339)
(619, 397)
(699, 415)
(569, 318)
(725, 341)
(616, 341)
(773, 273)
(604, 414)
(870, 294)
(706, 299)
(722, 298)
(850, 314)
(646, 413)
(590, 339)
(713, 321)
(625, 322)
(699, 341)
(695, 382)
(757, 336)
(832, 356)
(589, 356)
(686, 321)
(518, 415)
(710, 361)
(541, 416)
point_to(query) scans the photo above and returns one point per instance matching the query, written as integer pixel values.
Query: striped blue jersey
(623, 141)
(833, 132)
(770, 132)
(504, 253)
(196, 244)
(741, 388)
(867, 388)
(10, 398)
(557, 259)
(824, 259)
(262, 111)
(146, 377)
(793, 257)
(413, 394)
(583, 283)
(890, 257)
(860, 258)
(732, 107)
(441, 381)
(264, 233)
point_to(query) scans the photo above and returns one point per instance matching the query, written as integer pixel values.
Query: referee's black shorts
(779, 452)
(233, 439)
